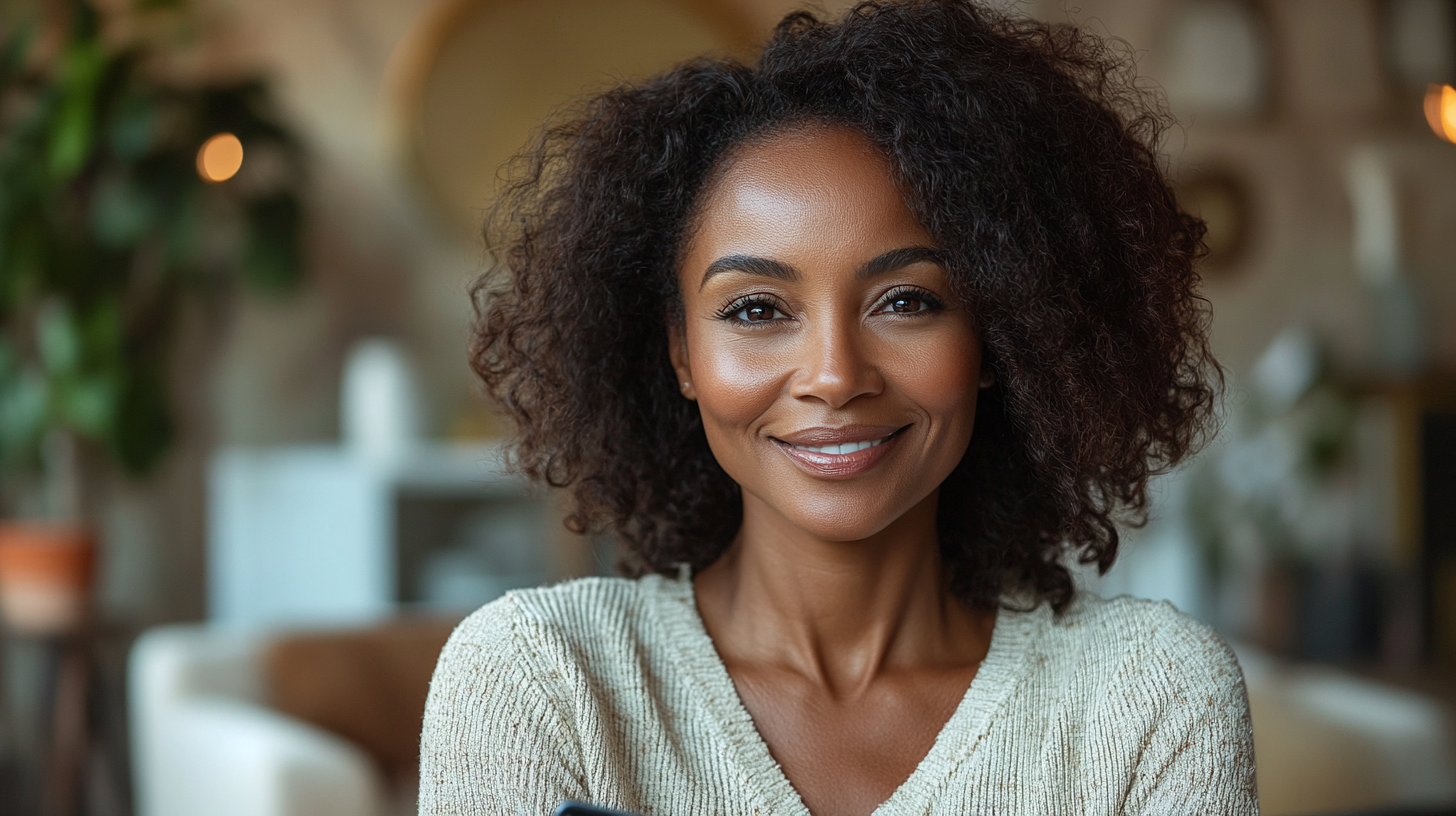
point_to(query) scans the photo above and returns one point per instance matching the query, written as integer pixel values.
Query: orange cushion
(367, 686)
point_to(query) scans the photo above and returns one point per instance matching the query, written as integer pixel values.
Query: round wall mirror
(482, 75)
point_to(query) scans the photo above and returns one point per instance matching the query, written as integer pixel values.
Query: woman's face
(836, 374)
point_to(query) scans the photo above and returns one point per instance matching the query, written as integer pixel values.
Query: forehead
(817, 189)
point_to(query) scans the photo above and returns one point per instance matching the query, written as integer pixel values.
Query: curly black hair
(1028, 150)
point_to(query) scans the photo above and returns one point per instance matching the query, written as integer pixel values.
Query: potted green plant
(123, 196)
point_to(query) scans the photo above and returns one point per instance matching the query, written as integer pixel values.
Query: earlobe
(988, 377)
(677, 351)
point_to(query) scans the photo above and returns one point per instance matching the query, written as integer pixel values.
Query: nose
(835, 365)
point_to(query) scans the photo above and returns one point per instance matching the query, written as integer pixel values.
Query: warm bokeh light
(1441, 111)
(219, 158)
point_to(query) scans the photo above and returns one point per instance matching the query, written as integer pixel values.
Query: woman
(851, 350)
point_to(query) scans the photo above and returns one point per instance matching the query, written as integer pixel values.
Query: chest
(1028, 758)
(848, 753)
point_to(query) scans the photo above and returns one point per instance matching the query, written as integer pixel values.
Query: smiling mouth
(841, 449)
(836, 453)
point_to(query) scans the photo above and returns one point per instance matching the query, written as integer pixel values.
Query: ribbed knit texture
(610, 691)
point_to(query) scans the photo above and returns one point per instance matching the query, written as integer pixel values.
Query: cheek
(941, 374)
(736, 380)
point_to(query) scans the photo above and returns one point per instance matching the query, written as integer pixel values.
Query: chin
(843, 518)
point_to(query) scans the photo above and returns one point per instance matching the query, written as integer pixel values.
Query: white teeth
(840, 450)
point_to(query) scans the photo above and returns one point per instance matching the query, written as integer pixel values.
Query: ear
(677, 351)
(988, 373)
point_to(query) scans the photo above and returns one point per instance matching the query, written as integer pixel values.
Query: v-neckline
(1011, 638)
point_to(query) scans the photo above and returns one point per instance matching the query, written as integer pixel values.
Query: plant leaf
(23, 399)
(81, 68)
(134, 127)
(58, 340)
(89, 404)
(121, 212)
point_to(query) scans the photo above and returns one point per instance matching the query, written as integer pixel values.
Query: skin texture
(830, 609)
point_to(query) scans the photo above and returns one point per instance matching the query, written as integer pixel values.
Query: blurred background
(247, 484)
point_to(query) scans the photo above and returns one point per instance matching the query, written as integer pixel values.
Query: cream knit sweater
(610, 691)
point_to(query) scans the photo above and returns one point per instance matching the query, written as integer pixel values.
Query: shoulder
(1170, 690)
(1145, 643)
(530, 652)
(1121, 623)
(556, 624)
(503, 722)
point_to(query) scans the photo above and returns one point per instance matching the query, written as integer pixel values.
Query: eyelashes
(751, 310)
(760, 310)
(910, 295)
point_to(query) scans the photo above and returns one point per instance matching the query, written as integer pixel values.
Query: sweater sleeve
(1199, 756)
(495, 740)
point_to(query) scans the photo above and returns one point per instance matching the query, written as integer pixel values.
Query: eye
(752, 310)
(906, 303)
(756, 313)
(909, 302)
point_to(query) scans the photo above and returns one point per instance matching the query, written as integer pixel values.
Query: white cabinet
(323, 535)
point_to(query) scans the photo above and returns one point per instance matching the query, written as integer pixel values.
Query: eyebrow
(753, 265)
(770, 268)
(899, 259)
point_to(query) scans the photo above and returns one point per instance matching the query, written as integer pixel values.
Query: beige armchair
(283, 723)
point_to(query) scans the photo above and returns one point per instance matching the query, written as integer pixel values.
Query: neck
(839, 612)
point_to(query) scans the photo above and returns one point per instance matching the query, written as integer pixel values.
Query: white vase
(379, 405)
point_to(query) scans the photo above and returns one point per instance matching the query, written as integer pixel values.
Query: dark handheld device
(583, 809)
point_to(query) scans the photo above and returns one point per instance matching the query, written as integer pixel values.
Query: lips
(839, 453)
